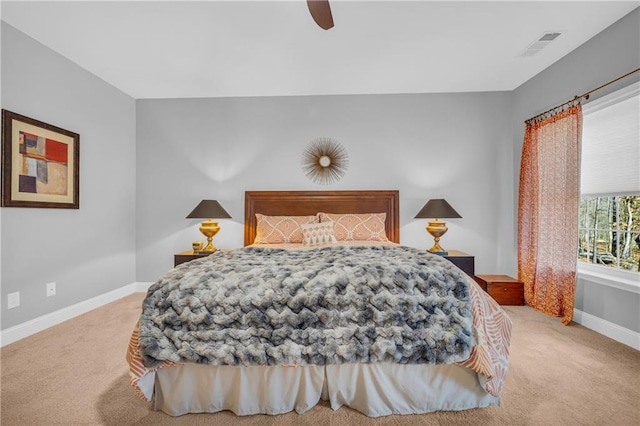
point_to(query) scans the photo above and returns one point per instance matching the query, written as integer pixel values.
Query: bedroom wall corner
(87, 252)
(1, 293)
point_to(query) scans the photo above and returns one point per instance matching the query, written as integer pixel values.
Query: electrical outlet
(13, 300)
(51, 289)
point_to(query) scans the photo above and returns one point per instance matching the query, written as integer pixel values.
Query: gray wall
(610, 54)
(452, 146)
(90, 251)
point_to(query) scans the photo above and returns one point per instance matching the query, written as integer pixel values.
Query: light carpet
(75, 373)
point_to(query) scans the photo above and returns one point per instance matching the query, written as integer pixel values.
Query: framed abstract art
(40, 164)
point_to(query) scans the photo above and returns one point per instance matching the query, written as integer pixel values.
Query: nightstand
(504, 289)
(187, 256)
(464, 261)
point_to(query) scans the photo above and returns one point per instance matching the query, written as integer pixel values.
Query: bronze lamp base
(209, 228)
(437, 229)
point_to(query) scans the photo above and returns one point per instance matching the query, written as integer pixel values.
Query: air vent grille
(549, 36)
(540, 43)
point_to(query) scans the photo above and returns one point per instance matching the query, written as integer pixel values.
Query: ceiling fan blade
(321, 13)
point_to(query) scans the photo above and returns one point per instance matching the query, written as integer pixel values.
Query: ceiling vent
(540, 43)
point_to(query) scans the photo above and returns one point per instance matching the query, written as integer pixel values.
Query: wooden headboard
(302, 203)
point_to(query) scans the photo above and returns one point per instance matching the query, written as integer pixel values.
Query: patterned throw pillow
(280, 229)
(315, 234)
(357, 227)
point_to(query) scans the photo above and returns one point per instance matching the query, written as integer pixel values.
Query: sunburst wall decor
(325, 161)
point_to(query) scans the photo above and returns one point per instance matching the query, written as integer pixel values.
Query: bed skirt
(373, 389)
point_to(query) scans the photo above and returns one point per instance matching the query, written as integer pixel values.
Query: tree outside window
(609, 231)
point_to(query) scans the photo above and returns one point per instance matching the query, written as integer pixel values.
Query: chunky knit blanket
(331, 305)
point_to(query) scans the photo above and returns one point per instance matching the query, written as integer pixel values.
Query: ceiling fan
(321, 13)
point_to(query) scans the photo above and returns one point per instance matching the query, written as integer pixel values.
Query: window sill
(620, 279)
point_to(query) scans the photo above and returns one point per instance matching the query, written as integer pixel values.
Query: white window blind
(611, 144)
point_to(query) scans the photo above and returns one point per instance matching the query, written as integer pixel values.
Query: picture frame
(40, 164)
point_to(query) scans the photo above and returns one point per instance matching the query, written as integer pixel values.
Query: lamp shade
(208, 209)
(437, 208)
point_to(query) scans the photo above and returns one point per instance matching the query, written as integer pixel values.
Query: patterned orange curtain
(548, 212)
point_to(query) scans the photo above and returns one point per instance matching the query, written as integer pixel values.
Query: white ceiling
(271, 48)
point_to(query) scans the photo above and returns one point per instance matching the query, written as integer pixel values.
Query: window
(609, 216)
(609, 231)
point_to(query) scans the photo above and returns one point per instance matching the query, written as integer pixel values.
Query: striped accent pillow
(280, 229)
(314, 234)
(357, 227)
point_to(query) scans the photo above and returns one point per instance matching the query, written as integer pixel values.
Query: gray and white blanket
(331, 305)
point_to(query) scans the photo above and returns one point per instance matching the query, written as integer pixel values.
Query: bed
(401, 372)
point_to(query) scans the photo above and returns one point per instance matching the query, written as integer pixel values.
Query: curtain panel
(548, 204)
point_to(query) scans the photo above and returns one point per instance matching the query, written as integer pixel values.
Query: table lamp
(209, 209)
(437, 208)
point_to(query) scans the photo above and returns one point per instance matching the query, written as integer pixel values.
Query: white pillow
(314, 234)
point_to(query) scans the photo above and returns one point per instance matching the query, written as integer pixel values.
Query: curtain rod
(577, 98)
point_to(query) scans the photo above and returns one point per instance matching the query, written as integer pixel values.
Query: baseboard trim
(26, 329)
(607, 328)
